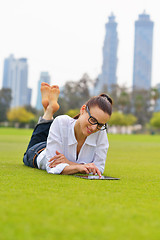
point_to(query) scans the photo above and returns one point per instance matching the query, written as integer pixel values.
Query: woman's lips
(89, 131)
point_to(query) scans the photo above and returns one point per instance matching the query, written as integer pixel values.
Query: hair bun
(106, 96)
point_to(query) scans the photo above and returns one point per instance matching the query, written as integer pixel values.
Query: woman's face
(86, 127)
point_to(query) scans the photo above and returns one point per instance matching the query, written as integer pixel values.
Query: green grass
(37, 205)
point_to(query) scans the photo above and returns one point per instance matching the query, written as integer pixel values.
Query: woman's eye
(93, 120)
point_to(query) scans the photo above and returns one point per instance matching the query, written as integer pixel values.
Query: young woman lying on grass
(68, 145)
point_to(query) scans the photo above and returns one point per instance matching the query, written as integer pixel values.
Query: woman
(70, 145)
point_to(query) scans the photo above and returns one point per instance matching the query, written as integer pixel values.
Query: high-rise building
(44, 77)
(15, 77)
(142, 68)
(108, 77)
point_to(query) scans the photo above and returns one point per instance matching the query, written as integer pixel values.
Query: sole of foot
(53, 98)
(45, 91)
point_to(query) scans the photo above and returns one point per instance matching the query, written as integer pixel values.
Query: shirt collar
(91, 139)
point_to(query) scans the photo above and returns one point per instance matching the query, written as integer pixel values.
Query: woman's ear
(83, 108)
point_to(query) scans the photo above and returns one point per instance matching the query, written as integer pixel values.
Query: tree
(5, 101)
(114, 95)
(141, 105)
(155, 95)
(20, 114)
(31, 109)
(121, 98)
(77, 93)
(124, 100)
(155, 120)
(129, 119)
(63, 107)
(120, 119)
(116, 119)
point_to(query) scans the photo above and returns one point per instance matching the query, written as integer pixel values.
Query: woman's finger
(58, 153)
(94, 171)
(57, 161)
(86, 170)
(98, 172)
(55, 157)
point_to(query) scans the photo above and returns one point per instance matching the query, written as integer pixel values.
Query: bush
(120, 119)
(20, 115)
(73, 112)
(155, 120)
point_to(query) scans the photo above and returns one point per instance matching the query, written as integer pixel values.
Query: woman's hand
(81, 168)
(89, 168)
(57, 159)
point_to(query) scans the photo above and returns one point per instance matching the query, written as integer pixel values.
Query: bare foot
(53, 106)
(45, 90)
(53, 98)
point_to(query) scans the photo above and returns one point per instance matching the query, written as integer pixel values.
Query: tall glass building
(142, 68)
(15, 77)
(108, 77)
(44, 77)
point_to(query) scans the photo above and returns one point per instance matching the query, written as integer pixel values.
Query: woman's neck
(78, 133)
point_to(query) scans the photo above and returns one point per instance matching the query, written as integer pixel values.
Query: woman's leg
(49, 101)
(40, 133)
(39, 137)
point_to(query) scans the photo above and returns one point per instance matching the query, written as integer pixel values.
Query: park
(93, 67)
(38, 205)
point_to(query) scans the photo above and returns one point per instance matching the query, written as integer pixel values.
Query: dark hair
(103, 101)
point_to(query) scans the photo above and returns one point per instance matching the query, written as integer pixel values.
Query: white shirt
(61, 138)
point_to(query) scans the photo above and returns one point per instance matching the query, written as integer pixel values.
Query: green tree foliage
(20, 114)
(73, 112)
(155, 94)
(31, 109)
(121, 97)
(155, 120)
(141, 105)
(130, 119)
(120, 119)
(138, 103)
(77, 93)
(124, 100)
(5, 101)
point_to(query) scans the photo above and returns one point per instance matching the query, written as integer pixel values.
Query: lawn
(36, 205)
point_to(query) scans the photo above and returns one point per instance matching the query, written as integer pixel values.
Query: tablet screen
(96, 177)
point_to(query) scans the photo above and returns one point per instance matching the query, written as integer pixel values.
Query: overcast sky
(65, 37)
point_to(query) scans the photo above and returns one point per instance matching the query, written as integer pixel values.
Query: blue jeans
(37, 144)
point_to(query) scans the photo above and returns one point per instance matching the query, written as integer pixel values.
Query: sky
(65, 37)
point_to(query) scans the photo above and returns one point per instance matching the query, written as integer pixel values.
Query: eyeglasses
(94, 121)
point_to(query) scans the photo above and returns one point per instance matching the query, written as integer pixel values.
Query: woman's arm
(73, 167)
(81, 168)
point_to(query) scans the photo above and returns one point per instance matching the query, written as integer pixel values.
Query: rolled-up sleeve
(101, 151)
(58, 169)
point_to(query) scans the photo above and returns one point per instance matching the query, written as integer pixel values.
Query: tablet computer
(96, 177)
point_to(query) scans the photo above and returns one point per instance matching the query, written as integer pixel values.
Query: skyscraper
(44, 77)
(15, 77)
(143, 52)
(108, 77)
